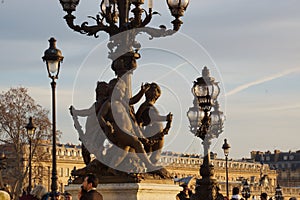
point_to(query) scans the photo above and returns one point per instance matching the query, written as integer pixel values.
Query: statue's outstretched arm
(136, 98)
(83, 112)
(155, 116)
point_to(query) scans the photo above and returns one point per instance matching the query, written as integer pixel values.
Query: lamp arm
(147, 18)
(84, 28)
(157, 32)
(109, 18)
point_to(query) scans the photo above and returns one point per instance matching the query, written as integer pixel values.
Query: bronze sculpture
(136, 139)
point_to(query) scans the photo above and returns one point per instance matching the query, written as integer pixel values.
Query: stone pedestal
(132, 191)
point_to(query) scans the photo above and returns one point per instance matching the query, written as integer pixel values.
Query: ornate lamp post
(53, 57)
(278, 193)
(30, 127)
(2, 166)
(226, 148)
(118, 16)
(206, 122)
(246, 192)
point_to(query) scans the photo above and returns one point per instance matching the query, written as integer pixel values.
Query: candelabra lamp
(123, 20)
(206, 122)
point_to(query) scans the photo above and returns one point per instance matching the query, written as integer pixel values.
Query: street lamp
(278, 193)
(246, 192)
(30, 127)
(226, 148)
(53, 57)
(206, 122)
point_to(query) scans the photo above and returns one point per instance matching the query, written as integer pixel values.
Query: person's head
(57, 195)
(184, 187)
(39, 191)
(293, 198)
(68, 196)
(4, 195)
(263, 196)
(235, 191)
(90, 181)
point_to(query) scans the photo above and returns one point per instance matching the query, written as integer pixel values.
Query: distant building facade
(260, 176)
(68, 156)
(287, 165)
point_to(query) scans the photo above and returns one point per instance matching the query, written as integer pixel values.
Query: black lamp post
(278, 193)
(30, 127)
(2, 166)
(53, 57)
(246, 192)
(226, 148)
(206, 122)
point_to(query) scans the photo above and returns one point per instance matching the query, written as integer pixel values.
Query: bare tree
(16, 106)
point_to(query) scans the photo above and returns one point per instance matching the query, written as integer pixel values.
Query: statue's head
(153, 93)
(101, 90)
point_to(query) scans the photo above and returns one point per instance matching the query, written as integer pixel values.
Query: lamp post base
(206, 189)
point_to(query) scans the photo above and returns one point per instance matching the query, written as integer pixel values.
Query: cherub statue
(120, 127)
(150, 120)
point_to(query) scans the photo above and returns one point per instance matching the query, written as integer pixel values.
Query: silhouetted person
(263, 196)
(185, 194)
(89, 189)
(235, 194)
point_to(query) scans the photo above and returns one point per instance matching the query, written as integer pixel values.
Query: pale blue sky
(252, 48)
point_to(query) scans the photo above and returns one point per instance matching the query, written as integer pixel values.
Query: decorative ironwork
(118, 16)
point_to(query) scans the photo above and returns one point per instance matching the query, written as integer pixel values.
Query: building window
(61, 172)
(40, 170)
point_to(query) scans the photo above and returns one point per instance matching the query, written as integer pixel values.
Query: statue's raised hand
(169, 117)
(145, 87)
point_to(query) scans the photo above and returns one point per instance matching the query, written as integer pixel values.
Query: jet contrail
(257, 82)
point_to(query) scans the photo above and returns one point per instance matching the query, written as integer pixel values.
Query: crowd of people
(86, 192)
(187, 193)
(39, 192)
